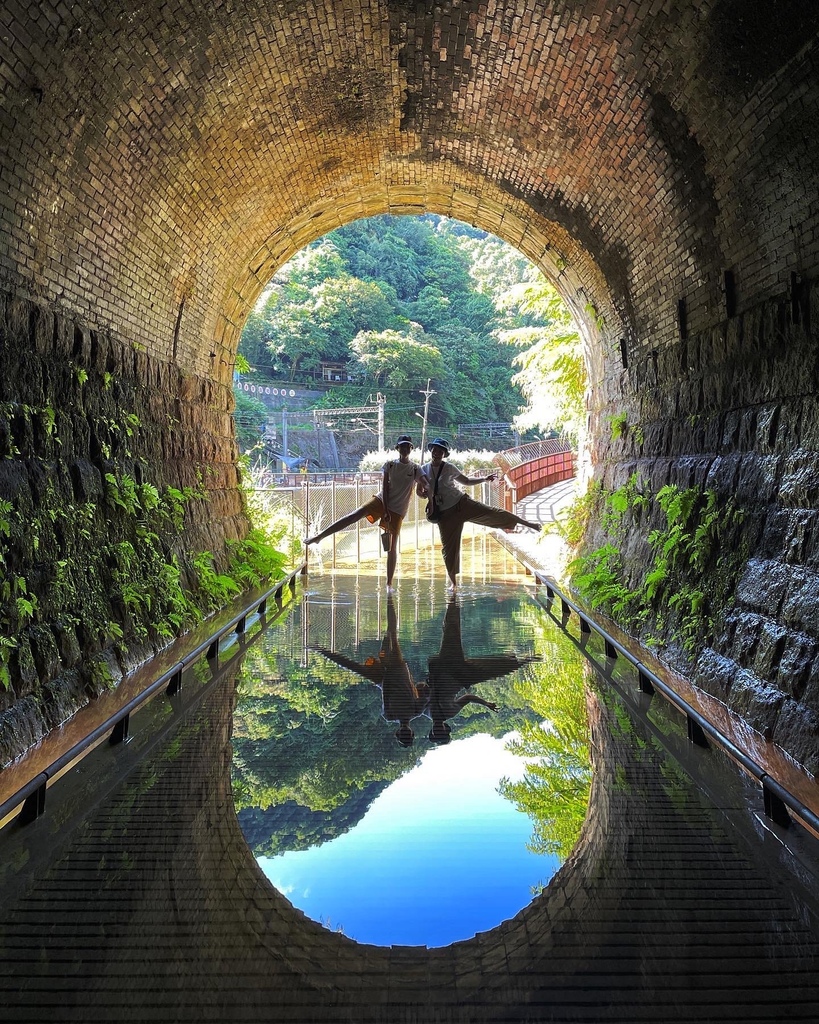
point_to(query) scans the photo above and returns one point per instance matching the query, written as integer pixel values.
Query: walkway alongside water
(137, 898)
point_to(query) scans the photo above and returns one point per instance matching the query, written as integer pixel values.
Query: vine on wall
(115, 513)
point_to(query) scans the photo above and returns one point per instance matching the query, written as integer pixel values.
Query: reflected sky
(439, 856)
(423, 844)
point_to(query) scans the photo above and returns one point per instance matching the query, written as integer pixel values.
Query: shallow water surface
(428, 834)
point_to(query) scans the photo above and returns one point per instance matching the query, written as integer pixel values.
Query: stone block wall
(735, 410)
(114, 465)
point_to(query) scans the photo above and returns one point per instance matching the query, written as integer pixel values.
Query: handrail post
(775, 808)
(175, 685)
(696, 733)
(121, 730)
(645, 683)
(33, 806)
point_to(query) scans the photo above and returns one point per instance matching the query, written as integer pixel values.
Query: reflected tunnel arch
(192, 925)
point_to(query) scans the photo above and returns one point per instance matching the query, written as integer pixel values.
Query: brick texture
(158, 165)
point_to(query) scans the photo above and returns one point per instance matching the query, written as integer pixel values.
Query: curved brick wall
(159, 165)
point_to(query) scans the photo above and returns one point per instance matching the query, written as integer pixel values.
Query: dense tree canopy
(402, 300)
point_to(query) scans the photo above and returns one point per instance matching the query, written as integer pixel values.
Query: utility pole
(284, 439)
(381, 401)
(426, 395)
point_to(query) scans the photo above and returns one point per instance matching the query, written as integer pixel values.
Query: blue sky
(439, 856)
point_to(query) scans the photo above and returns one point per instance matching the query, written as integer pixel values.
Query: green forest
(388, 304)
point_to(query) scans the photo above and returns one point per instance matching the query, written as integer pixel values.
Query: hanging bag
(433, 509)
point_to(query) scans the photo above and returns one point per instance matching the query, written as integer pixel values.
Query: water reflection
(418, 844)
(450, 671)
(402, 698)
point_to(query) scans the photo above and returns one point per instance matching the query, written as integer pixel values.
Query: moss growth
(693, 568)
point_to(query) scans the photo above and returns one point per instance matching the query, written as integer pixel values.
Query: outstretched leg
(372, 508)
(530, 523)
(488, 515)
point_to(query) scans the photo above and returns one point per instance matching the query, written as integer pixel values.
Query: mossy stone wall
(115, 469)
(735, 410)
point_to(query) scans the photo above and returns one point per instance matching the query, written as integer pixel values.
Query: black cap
(440, 442)
(403, 439)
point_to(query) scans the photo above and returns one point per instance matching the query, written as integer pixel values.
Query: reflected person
(451, 671)
(402, 698)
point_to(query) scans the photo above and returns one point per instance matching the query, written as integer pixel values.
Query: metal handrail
(777, 798)
(32, 793)
(532, 450)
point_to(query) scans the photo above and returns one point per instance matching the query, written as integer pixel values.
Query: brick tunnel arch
(526, 960)
(599, 312)
(658, 160)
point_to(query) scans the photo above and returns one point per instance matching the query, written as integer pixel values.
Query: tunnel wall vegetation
(702, 531)
(121, 519)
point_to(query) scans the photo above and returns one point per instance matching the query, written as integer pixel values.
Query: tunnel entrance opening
(390, 324)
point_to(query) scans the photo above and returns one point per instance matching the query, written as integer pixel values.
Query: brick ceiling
(161, 161)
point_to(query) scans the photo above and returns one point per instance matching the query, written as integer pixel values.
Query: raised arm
(470, 481)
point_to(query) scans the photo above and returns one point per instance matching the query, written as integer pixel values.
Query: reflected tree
(312, 749)
(554, 790)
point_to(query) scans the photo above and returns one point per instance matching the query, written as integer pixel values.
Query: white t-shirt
(402, 477)
(448, 491)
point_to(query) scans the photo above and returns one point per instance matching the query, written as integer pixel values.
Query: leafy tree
(495, 266)
(345, 305)
(554, 791)
(431, 309)
(250, 416)
(414, 298)
(253, 345)
(313, 265)
(552, 369)
(396, 357)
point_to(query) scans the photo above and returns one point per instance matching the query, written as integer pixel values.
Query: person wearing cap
(388, 507)
(441, 478)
